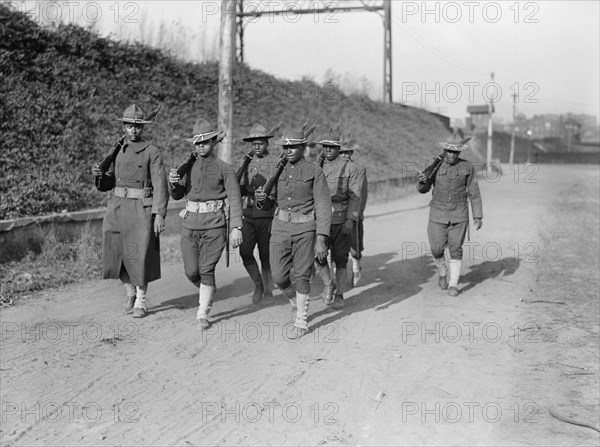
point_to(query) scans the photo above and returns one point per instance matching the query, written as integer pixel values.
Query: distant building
(478, 117)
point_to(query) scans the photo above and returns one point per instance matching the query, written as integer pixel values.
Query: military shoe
(297, 333)
(452, 291)
(257, 296)
(203, 324)
(128, 304)
(338, 302)
(442, 282)
(328, 292)
(139, 312)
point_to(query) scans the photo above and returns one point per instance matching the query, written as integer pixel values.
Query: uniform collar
(137, 146)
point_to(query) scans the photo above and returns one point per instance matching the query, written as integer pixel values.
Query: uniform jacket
(259, 171)
(343, 180)
(128, 233)
(364, 190)
(302, 188)
(210, 179)
(452, 185)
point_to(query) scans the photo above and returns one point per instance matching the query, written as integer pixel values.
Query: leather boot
(267, 283)
(328, 282)
(340, 277)
(205, 299)
(440, 264)
(129, 297)
(300, 325)
(455, 266)
(254, 273)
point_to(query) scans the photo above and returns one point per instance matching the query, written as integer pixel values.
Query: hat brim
(257, 137)
(452, 147)
(330, 143)
(203, 137)
(291, 141)
(133, 121)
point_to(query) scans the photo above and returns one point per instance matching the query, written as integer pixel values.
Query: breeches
(201, 250)
(447, 235)
(256, 232)
(296, 251)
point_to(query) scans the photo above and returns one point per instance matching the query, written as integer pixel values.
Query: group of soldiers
(297, 208)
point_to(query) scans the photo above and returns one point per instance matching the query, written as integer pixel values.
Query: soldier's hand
(478, 223)
(348, 226)
(159, 224)
(321, 248)
(422, 178)
(174, 177)
(236, 238)
(96, 171)
(260, 195)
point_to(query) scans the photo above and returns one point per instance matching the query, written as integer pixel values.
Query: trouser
(339, 246)
(357, 242)
(297, 251)
(256, 232)
(447, 235)
(201, 251)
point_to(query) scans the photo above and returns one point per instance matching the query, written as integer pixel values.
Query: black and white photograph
(299, 223)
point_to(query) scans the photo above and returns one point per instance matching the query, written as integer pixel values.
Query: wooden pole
(490, 133)
(511, 157)
(227, 60)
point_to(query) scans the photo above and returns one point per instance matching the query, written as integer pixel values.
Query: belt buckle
(289, 219)
(124, 192)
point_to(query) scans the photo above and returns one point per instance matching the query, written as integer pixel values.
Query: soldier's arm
(159, 183)
(322, 199)
(424, 187)
(364, 192)
(474, 194)
(354, 195)
(178, 190)
(233, 195)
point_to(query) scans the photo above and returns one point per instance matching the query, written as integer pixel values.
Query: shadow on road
(387, 283)
(489, 270)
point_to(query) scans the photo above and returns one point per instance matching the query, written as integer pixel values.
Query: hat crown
(258, 131)
(202, 126)
(133, 112)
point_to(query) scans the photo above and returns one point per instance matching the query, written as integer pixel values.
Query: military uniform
(256, 228)
(130, 247)
(303, 212)
(210, 186)
(344, 187)
(453, 185)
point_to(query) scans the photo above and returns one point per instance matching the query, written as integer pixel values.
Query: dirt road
(402, 364)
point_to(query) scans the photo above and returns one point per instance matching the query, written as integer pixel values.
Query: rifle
(432, 169)
(244, 167)
(110, 158)
(273, 180)
(321, 159)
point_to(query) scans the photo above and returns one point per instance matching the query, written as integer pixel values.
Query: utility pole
(240, 30)
(227, 60)
(387, 51)
(514, 124)
(490, 133)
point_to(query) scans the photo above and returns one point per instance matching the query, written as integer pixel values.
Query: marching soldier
(207, 183)
(136, 212)
(357, 245)
(300, 226)
(344, 185)
(454, 184)
(257, 222)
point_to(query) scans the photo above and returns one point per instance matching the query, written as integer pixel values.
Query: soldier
(453, 184)
(357, 245)
(256, 226)
(207, 183)
(311, 153)
(344, 187)
(300, 226)
(136, 212)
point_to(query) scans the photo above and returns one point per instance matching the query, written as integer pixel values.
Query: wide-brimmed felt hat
(333, 138)
(454, 142)
(133, 115)
(258, 132)
(349, 147)
(293, 137)
(203, 131)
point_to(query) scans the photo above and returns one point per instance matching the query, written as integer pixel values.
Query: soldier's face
(204, 148)
(331, 152)
(133, 131)
(293, 153)
(452, 156)
(346, 155)
(260, 147)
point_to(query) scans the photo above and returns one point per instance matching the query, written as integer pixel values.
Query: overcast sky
(443, 52)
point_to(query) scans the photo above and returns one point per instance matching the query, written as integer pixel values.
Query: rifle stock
(187, 165)
(432, 169)
(268, 188)
(244, 167)
(110, 158)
